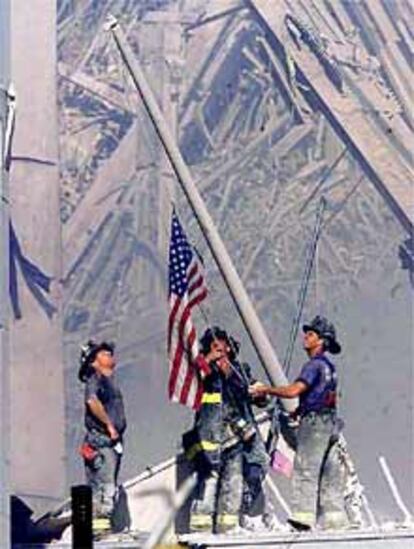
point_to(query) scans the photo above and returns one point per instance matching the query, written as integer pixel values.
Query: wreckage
(272, 106)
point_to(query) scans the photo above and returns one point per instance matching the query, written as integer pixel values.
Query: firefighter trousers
(216, 507)
(318, 476)
(102, 475)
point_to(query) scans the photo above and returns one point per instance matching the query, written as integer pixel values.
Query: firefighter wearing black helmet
(105, 425)
(215, 444)
(317, 494)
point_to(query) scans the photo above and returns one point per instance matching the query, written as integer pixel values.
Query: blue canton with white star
(181, 255)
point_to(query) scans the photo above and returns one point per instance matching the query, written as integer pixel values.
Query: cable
(323, 179)
(305, 282)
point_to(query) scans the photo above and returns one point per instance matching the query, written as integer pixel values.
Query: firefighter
(254, 515)
(105, 426)
(215, 443)
(318, 477)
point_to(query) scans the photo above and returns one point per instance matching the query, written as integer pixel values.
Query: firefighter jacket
(224, 420)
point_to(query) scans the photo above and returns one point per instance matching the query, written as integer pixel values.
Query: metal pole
(178, 499)
(276, 492)
(241, 300)
(4, 278)
(371, 517)
(394, 490)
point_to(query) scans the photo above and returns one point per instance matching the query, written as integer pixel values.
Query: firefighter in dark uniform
(254, 514)
(318, 478)
(105, 424)
(215, 444)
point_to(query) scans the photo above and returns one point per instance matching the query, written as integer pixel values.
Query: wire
(323, 179)
(305, 283)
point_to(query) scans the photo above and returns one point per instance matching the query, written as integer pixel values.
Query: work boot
(101, 527)
(334, 520)
(201, 522)
(226, 522)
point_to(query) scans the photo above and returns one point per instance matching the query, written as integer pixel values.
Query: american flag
(283, 457)
(186, 290)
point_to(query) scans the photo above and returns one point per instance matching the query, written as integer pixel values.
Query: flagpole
(4, 266)
(231, 278)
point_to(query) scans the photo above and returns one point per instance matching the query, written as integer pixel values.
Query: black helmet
(88, 354)
(215, 332)
(326, 331)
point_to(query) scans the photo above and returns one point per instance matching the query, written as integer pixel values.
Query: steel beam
(380, 161)
(37, 449)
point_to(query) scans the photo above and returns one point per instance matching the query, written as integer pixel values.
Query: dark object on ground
(25, 530)
(299, 526)
(121, 518)
(82, 535)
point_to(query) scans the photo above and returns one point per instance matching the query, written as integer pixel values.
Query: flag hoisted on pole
(186, 290)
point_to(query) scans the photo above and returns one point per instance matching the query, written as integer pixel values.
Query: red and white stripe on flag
(186, 290)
